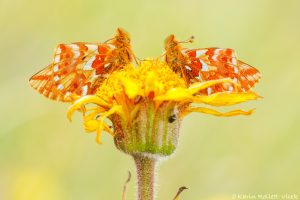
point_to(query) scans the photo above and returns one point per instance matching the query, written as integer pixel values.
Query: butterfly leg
(136, 59)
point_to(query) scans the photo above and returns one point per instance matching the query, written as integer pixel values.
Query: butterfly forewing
(76, 71)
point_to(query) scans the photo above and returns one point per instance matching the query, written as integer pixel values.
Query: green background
(43, 156)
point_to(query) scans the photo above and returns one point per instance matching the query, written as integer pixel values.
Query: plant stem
(145, 167)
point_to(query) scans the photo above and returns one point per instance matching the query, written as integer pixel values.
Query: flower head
(146, 105)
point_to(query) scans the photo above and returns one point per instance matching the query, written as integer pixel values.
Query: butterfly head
(172, 43)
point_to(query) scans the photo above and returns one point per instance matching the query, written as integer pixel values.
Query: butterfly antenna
(137, 59)
(190, 40)
(125, 186)
(106, 41)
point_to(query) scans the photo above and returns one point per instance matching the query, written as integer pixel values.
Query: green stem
(145, 167)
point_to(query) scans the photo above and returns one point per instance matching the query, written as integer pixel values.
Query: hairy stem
(145, 167)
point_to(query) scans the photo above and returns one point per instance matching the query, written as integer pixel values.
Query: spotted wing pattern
(217, 63)
(77, 70)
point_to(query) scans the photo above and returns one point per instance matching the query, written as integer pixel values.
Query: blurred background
(43, 156)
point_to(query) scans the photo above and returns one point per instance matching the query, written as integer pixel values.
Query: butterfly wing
(77, 70)
(248, 75)
(217, 63)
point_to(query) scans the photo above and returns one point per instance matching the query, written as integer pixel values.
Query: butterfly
(78, 69)
(204, 64)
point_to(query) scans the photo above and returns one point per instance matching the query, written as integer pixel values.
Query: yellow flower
(146, 105)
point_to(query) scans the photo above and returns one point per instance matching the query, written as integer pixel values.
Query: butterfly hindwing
(248, 75)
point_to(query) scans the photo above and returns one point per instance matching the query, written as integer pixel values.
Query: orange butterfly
(79, 68)
(205, 64)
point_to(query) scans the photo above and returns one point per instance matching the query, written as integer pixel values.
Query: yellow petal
(225, 98)
(85, 100)
(91, 115)
(91, 125)
(196, 87)
(102, 125)
(98, 135)
(115, 109)
(217, 113)
(96, 109)
(108, 129)
(183, 94)
(175, 94)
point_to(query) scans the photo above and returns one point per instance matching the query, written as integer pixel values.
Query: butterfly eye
(97, 117)
(172, 118)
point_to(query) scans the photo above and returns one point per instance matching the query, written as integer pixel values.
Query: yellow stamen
(131, 88)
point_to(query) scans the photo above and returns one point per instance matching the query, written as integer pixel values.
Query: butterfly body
(205, 64)
(78, 69)
(173, 55)
(122, 54)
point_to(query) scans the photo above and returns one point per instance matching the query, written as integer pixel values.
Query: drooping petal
(85, 100)
(93, 114)
(225, 98)
(98, 135)
(217, 113)
(99, 130)
(102, 126)
(186, 94)
(91, 125)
